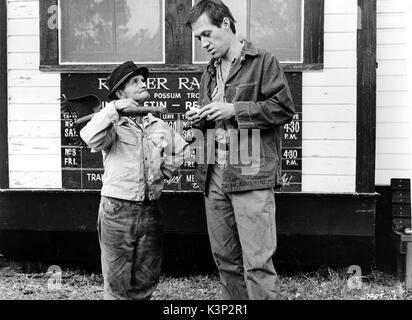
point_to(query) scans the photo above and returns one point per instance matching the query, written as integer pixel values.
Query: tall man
(245, 99)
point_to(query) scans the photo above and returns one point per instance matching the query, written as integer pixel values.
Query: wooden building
(346, 64)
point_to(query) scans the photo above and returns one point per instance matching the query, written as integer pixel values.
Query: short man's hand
(218, 111)
(125, 103)
(193, 115)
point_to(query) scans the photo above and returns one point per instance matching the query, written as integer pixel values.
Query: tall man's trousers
(242, 234)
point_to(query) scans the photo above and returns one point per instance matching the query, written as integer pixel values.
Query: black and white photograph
(199, 155)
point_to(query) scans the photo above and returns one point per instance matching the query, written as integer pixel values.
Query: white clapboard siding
(334, 77)
(329, 95)
(392, 52)
(388, 161)
(34, 112)
(393, 146)
(329, 131)
(329, 148)
(391, 98)
(23, 9)
(340, 60)
(329, 106)
(392, 68)
(23, 44)
(340, 41)
(393, 83)
(35, 180)
(392, 130)
(34, 109)
(392, 115)
(23, 61)
(329, 113)
(33, 94)
(34, 129)
(23, 27)
(388, 6)
(33, 146)
(35, 163)
(329, 166)
(33, 78)
(390, 37)
(336, 183)
(391, 20)
(393, 153)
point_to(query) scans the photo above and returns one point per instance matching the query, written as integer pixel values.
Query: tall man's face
(216, 41)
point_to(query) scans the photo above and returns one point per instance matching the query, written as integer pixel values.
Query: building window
(111, 31)
(94, 35)
(274, 25)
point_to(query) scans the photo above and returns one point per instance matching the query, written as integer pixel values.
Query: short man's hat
(121, 74)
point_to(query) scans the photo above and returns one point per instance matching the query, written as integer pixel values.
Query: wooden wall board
(4, 159)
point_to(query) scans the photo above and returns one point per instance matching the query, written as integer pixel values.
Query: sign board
(82, 169)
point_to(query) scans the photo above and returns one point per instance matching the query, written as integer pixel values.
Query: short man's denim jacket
(137, 158)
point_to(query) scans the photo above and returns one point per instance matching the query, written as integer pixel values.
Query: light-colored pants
(242, 233)
(130, 236)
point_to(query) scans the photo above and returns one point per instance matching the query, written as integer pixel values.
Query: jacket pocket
(126, 136)
(246, 92)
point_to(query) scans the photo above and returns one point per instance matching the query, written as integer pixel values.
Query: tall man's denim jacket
(258, 88)
(136, 158)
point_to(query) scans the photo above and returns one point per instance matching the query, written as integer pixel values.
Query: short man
(243, 91)
(138, 153)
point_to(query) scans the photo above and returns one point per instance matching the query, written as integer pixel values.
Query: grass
(18, 282)
(330, 284)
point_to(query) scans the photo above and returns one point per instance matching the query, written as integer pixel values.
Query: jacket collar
(247, 50)
(147, 120)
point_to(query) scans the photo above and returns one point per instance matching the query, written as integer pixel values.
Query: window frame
(178, 41)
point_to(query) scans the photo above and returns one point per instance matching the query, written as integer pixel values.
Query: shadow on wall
(183, 254)
(186, 254)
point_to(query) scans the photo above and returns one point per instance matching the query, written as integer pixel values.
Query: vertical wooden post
(49, 42)
(178, 36)
(408, 268)
(366, 97)
(314, 29)
(4, 154)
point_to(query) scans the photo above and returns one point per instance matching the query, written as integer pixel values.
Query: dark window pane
(139, 29)
(276, 25)
(87, 27)
(107, 31)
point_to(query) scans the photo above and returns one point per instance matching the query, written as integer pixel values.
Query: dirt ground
(19, 282)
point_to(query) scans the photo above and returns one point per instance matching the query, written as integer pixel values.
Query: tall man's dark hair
(216, 11)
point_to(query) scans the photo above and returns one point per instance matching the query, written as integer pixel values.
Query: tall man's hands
(193, 115)
(216, 111)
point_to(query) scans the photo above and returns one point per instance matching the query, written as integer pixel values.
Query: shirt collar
(247, 50)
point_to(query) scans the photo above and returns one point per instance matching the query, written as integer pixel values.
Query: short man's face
(136, 89)
(214, 40)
